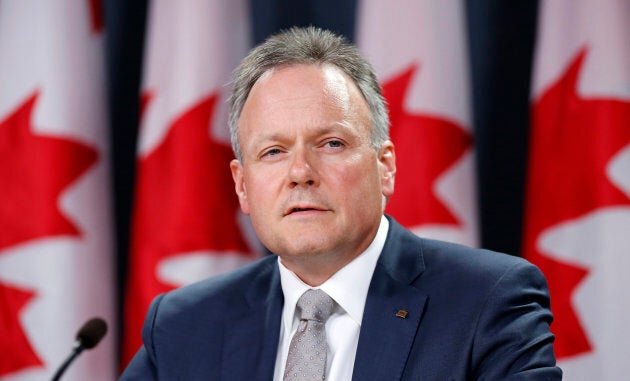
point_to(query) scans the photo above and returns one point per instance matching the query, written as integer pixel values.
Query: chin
(305, 247)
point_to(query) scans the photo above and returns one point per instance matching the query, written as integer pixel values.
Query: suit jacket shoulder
(238, 288)
(222, 328)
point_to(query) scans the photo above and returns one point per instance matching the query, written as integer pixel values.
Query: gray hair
(308, 46)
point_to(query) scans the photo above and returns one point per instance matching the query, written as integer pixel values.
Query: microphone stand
(76, 351)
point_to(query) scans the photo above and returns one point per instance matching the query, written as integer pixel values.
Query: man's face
(309, 178)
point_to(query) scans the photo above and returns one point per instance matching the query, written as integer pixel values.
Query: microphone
(87, 338)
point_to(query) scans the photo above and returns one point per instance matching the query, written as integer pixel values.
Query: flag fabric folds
(186, 221)
(578, 190)
(56, 259)
(419, 50)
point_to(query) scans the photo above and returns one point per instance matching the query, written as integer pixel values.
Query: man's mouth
(300, 209)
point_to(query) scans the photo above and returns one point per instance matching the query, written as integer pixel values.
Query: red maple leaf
(96, 16)
(185, 202)
(145, 99)
(573, 140)
(15, 348)
(35, 170)
(426, 147)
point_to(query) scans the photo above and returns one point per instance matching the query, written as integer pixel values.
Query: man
(314, 169)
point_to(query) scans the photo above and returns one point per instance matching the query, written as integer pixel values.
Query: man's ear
(239, 184)
(387, 161)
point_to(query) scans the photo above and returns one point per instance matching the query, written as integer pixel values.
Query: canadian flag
(56, 259)
(187, 224)
(419, 51)
(578, 192)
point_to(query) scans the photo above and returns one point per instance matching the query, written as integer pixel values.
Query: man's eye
(271, 152)
(334, 143)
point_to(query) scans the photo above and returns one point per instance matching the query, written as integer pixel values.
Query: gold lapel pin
(402, 314)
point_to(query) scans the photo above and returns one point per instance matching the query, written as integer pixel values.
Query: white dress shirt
(348, 287)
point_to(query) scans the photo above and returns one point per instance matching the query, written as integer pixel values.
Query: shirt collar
(348, 286)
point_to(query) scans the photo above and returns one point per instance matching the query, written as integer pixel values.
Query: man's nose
(301, 172)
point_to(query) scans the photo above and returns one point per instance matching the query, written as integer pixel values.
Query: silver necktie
(307, 353)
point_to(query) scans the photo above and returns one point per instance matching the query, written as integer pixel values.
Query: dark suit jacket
(471, 315)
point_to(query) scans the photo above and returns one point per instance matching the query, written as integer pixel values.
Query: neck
(317, 269)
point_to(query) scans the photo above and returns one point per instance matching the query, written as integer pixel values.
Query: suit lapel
(251, 342)
(393, 309)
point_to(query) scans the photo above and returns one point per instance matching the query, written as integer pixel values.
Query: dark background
(501, 39)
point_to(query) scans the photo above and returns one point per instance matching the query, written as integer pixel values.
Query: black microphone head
(92, 332)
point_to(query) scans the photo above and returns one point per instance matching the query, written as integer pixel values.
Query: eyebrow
(317, 130)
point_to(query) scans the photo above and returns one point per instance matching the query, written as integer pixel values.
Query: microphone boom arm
(76, 351)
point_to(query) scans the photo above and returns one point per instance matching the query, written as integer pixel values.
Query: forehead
(301, 81)
(303, 92)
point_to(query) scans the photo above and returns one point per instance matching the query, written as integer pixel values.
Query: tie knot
(315, 305)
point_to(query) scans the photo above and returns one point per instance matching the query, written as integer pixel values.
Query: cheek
(359, 181)
(260, 191)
